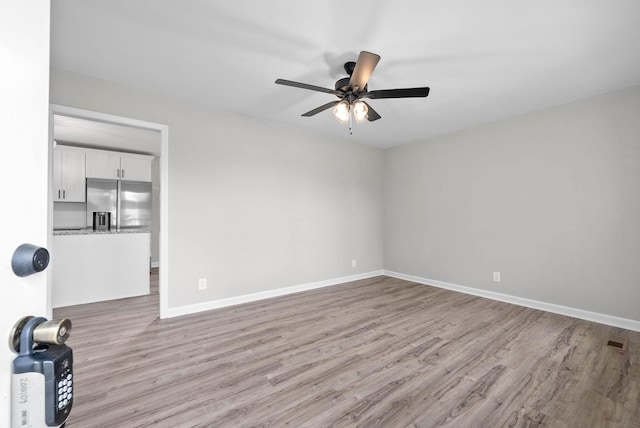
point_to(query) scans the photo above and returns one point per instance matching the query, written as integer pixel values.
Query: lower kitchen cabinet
(95, 267)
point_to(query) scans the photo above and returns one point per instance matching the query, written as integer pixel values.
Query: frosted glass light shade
(341, 111)
(360, 111)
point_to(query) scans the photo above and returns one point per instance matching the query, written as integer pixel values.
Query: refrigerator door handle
(118, 204)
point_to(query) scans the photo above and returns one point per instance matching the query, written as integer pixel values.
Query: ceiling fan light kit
(360, 111)
(350, 90)
(342, 111)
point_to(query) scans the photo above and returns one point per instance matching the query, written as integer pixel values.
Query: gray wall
(253, 205)
(550, 199)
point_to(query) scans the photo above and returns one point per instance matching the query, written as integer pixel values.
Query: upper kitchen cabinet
(102, 164)
(118, 166)
(135, 168)
(68, 175)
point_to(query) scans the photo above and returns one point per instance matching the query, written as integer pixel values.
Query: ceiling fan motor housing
(345, 83)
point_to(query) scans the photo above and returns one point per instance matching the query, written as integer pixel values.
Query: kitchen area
(104, 216)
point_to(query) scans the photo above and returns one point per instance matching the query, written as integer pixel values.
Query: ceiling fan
(353, 89)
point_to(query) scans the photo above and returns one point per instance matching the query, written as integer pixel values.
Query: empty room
(326, 214)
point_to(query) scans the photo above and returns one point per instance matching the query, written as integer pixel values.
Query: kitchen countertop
(59, 232)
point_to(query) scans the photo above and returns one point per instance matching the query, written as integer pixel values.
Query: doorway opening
(95, 130)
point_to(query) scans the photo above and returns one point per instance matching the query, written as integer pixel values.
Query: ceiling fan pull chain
(350, 121)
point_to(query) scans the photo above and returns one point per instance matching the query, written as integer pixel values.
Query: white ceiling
(483, 60)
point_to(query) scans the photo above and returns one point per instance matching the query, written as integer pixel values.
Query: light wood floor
(380, 352)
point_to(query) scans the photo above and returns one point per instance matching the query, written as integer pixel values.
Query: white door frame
(56, 109)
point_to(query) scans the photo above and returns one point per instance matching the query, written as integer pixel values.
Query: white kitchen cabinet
(135, 168)
(101, 164)
(96, 267)
(68, 175)
(118, 166)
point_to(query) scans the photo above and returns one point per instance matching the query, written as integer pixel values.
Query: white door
(24, 166)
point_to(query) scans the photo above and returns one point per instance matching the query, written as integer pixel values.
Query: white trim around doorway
(56, 109)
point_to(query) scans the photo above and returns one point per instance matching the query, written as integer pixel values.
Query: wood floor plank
(377, 352)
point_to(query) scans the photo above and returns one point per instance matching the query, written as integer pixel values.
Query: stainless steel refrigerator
(129, 202)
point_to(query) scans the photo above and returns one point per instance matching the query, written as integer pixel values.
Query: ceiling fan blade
(321, 108)
(365, 65)
(307, 86)
(397, 93)
(372, 114)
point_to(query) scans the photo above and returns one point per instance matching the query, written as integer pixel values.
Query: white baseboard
(155, 264)
(236, 300)
(529, 303)
(611, 320)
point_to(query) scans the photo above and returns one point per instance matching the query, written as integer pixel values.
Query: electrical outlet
(202, 284)
(353, 263)
(496, 277)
